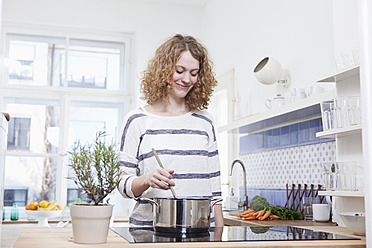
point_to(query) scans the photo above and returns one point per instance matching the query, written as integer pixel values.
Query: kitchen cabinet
(347, 83)
(348, 143)
(291, 113)
(341, 193)
(340, 132)
(348, 139)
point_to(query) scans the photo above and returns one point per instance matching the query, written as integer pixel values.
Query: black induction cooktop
(228, 233)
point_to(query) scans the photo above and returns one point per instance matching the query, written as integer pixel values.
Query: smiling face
(185, 75)
(165, 78)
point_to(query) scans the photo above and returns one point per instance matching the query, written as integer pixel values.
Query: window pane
(85, 122)
(15, 195)
(34, 176)
(30, 125)
(31, 178)
(19, 133)
(94, 64)
(41, 60)
(33, 59)
(74, 194)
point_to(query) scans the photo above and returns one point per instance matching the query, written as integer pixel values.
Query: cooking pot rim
(155, 200)
(183, 198)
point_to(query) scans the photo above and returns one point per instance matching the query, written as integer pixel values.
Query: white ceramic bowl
(355, 221)
(43, 216)
(321, 212)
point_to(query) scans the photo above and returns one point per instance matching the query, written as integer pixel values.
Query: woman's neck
(168, 109)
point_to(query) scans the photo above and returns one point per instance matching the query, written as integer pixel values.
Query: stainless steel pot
(182, 215)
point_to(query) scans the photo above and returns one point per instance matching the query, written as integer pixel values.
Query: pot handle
(214, 201)
(147, 200)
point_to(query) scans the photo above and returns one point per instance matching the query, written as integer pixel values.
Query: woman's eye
(179, 72)
(194, 74)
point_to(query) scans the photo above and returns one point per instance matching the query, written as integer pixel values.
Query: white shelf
(342, 193)
(341, 75)
(301, 110)
(340, 132)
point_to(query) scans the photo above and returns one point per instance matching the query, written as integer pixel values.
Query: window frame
(125, 96)
(76, 34)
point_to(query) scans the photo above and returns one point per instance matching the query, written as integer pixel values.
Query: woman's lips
(184, 87)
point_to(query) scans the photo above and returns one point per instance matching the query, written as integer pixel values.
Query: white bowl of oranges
(42, 211)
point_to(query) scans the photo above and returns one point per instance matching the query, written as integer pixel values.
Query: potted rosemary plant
(96, 173)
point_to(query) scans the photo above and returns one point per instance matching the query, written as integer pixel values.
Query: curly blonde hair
(156, 81)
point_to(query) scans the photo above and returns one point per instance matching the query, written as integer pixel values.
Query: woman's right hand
(160, 179)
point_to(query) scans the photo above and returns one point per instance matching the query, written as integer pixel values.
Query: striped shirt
(187, 144)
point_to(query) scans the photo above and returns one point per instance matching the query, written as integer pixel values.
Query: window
(93, 64)
(23, 57)
(222, 110)
(42, 60)
(30, 59)
(19, 133)
(57, 88)
(18, 196)
(36, 166)
(74, 194)
(87, 118)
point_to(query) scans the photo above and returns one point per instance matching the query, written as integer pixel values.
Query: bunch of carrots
(259, 215)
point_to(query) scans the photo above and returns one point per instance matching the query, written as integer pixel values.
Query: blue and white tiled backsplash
(270, 168)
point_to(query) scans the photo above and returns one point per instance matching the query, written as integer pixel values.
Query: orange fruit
(31, 206)
(58, 207)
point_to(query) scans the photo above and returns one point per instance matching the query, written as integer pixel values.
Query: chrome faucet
(244, 202)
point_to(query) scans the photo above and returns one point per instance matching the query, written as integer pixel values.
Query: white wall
(302, 35)
(345, 25)
(297, 33)
(150, 23)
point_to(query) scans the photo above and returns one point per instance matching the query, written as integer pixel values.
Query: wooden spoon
(161, 165)
(7, 117)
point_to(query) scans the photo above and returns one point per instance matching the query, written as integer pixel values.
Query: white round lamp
(269, 71)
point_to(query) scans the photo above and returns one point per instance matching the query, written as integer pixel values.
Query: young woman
(177, 86)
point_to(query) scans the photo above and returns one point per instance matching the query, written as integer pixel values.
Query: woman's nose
(186, 77)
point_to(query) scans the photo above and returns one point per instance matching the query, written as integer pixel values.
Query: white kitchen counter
(24, 235)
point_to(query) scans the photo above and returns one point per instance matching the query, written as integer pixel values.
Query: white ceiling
(200, 3)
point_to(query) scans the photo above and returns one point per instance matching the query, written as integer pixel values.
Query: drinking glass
(356, 56)
(328, 114)
(347, 58)
(347, 175)
(307, 203)
(354, 110)
(331, 176)
(359, 181)
(341, 112)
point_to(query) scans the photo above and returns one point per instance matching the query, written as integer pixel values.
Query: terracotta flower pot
(90, 224)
